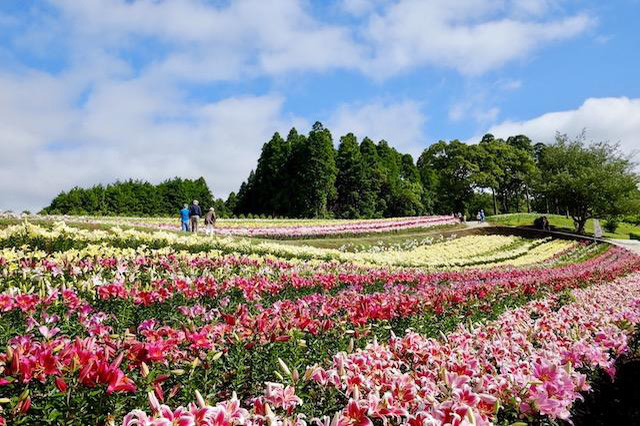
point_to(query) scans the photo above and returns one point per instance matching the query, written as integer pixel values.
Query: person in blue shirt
(184, 216)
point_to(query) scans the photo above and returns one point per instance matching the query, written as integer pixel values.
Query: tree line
(305, 176)
(132, 198)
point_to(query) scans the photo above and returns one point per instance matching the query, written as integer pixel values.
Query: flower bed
(281, 228)
(529, 363)
(94, 320)
(466, 251)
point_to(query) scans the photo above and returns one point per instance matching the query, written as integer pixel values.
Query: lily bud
(356, 393)
(24, 405)
(471, 418)
(267, 410)
(336, 419)
(284, 367)
(24, 394)
(144, 369)
(200, 399)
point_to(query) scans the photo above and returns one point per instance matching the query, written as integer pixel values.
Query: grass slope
(561, 223)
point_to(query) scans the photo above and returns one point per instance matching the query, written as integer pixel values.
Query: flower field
(286, 228)
(126, 327)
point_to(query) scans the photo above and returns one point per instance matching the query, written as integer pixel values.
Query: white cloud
(246, 38)
(400, 124)
(509, 85)
(209, 43)
(475, 109)
(605, 119)
(124, 129)
(471, 36)
(116, 102)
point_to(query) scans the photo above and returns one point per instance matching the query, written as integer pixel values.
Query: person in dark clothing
(194, 214)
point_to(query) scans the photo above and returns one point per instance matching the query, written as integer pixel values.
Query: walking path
(476, 224)
(632, 245)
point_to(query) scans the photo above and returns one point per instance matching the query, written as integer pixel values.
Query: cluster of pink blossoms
(525, 364)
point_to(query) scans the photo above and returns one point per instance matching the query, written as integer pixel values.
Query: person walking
(194, 214)
(210, 221)
(184, 218)
(482, 216)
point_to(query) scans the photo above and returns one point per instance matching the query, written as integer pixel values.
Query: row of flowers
(458, 252)
(320, 291)
(530, 362)
(286, 228)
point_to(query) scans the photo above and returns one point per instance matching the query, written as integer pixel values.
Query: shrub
(634, 236)
(611, 225)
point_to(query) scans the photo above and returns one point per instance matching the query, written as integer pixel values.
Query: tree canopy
(132, 198)
(306, 176)
(594, 180)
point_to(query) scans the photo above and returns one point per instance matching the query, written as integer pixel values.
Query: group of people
(462, 217)
(190, 216)
(542, 223)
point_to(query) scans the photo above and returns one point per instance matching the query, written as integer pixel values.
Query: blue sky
(95, 90)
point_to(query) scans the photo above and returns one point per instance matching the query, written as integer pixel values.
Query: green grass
(375, 239)
(561, 223)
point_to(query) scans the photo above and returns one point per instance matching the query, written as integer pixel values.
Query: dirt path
(476, 224)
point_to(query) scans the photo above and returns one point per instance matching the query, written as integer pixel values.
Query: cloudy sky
(95, 90)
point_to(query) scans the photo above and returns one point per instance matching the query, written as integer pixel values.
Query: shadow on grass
(614, 402)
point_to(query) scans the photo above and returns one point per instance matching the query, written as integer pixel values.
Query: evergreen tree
(231, 203)
(316, 172)
(270, 176)
(350, 181)
(373, 204)
(292, 186)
